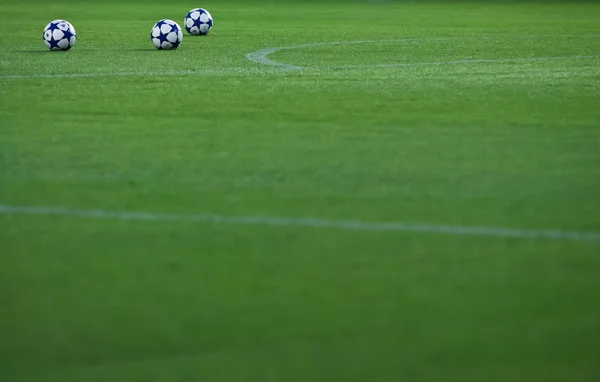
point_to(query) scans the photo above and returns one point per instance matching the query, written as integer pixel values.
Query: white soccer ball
(59, 35)
(166, 34)
(198, 22)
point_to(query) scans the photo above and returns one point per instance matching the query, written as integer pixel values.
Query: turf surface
(115, 125)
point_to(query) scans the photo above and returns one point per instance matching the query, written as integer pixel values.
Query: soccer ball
(59, 35)
(166, 34)
(198, 22)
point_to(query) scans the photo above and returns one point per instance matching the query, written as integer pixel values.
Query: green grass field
(420, 114)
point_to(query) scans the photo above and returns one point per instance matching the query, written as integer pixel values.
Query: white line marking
(126, 74)
(356, 225)
(500, 60)
(261, 56)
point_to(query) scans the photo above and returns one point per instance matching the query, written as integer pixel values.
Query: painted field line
(138, 74)
(455, 62)
(261, 56)
(354, 225)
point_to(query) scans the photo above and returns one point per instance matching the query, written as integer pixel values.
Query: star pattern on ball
(197, 22)
(162, 37)
(53, 43)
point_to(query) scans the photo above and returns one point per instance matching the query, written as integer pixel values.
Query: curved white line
(354, 225)
(261, 56)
